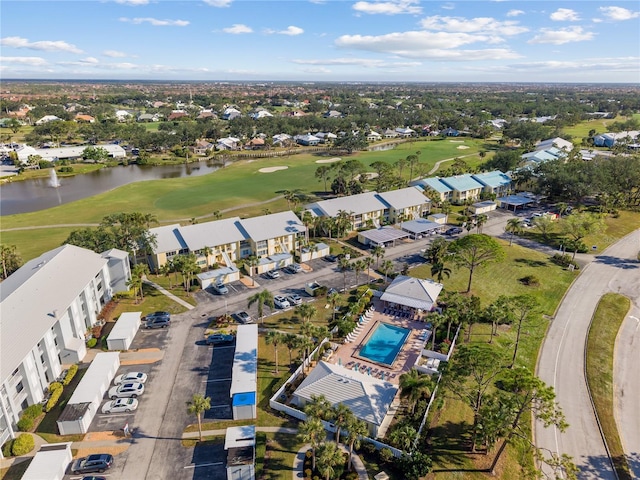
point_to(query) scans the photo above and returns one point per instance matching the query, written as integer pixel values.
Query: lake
(38, 194)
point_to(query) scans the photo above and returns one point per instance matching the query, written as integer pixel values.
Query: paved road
(561, 361)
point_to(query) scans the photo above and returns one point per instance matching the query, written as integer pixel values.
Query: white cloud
(361, 62)
(626, 64)
(133, 3)
(45, 45)
(33, 61)
(290, 30)
(425, 45)
(316, 70)
(562, 36)
(618, 13)
(448, 6)
(114, 54)
(318, 2)
(156, 22)
(596, 20)
(515, 13)
(238, 28)
(218, 3)
(483, 25)
(85, 62)
(391, 7)
(565, 15)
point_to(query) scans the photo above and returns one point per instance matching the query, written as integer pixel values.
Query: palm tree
(207, 251)
(358, 266)
(275, 338)
(333, 299)
(480, 221)
(306, 345)
(135, 284)
(341, 416)
(343, 222)
(368, 262)
(306, 312)
(137, 272)
(436, 321)
(318, 407)
(513, 226)
(329, 457)
(312, 431)
(291, 341)
(378, 252)
(386, 268)
(403, 437)
(414, 385)
(355, 428)
(344, 265)
(438, 270)
(197, 406)
(252, 262)
(265, 297)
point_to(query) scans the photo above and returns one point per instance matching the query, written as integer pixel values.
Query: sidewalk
(223, 431)
(164, 291)
(37, 440)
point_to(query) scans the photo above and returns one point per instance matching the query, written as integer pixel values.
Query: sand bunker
(369, 175)
(456, 141)
(462, 147)
(329, 160)
(272, 169)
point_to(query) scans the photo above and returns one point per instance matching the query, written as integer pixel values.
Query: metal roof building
(381, 236)
(50, 463)
(244, 373)
(412, 292)
(275, 225)
(357, 204)
(218, 232)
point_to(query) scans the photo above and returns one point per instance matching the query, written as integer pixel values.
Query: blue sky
(316, 40)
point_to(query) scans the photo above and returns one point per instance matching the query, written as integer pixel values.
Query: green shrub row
(92, 342)
(56, 389)
(22, 445)
(73, 369)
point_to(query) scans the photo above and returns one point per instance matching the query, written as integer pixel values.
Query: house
(373, 136)
(68, 153)
(388, 133)
(228, 143)
(333, 114)
(255, 144)
(610, 139)
(306, 140)
(449, 132)
(494, 182)
(363, 209)
(368, 397)
(240, 445)
(122, 115)
(480, 208)
(412, 293)
(325, 136)
(433, 184)
(230, 113)
(464, 187)
(559, 143)
(82, 118)
(168, 244)
(202, 147)
(47, 119)
(404, 204)
(149, 117)
(539, 156)
(204, 114)
(405, 132)
(177, 114)
(257, 115)
(38, 338)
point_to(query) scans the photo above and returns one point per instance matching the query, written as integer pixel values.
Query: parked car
(93, 477)
(281, 302)
(130, 377)
(158, 322)
(120, 405)
(453, 231)
(219, 339)
(273, 274)
(294, 299)
(126, 390)
(331, 258)
(93, 463)
(294, 268)
(219, 288)
(242, 317)
(154, 315)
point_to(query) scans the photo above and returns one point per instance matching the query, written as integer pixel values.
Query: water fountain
(53, 179)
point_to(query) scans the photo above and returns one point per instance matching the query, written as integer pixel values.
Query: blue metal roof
(493, 179)
(436, 183)
(462, 183)
(242, 399)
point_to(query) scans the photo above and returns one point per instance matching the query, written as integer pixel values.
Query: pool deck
(346, 354)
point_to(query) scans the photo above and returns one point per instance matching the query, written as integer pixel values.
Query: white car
(273, 274)
(130, 377)
(294, 299)
(126, 390)
(281, 302)
(121, 405)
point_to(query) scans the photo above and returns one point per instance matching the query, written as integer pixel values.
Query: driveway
(561, 361)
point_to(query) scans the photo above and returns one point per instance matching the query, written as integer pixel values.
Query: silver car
(130, 377)
(120, 405)
(126, 390)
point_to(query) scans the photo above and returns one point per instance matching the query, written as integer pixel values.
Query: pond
(382, 148)
(39, 193)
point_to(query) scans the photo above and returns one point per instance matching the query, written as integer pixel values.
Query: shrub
(91, 343)
(53, 399)
(22, 445)
(307, 473)
(73, 369)
(55, 386)
(564, 261)
(67, 169)
(369, 447)
(32, 411)
(386, 455)
(530, 280)
(7, 447)
(25, 424)
(308, 454)
(42, 164)
(351, 476)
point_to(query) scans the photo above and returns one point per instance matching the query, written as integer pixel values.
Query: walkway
(298, 463)
(164, 291)
(37, 440)
(223, 431)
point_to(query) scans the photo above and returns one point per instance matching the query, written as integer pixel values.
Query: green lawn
(279, 453)
(32, 243)
(581, 130)
(154, 301)
(611, 312)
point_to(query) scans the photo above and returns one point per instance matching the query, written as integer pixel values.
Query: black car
(93, 463)
(93, 477)
(219, 339)
(331, 258)
(453, 231)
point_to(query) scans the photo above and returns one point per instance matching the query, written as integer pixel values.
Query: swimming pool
(384, 344)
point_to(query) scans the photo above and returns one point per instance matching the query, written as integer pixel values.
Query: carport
(386, 236)
(515, 201)
(244, 374)
(83, 404)
(420, 227)
(219, 275)
(50, 462)
(123, 331)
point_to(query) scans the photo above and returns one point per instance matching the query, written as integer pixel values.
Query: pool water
(384, 343)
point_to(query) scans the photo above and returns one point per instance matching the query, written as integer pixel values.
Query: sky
(322, 40)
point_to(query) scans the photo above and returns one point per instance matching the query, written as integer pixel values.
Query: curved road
(561, 361)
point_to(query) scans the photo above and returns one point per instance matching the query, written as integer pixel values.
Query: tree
(306, 312)
(403, 437)
(252, 262)
(579, 225)
(291, 341)
(480, 222)
(342, 222)
(358, 266)
(131, 231)
(322, 173)
(523, 308)
(274, 337)
(95, 154)
(333, 299)
(344, 265)
(137, 272)
(329, 457)
(474, 251)
(311, 431)
(351, 142)
(471, 375)
(378, 252)
(544, 224)
(10, 259)
(187, 265)
(368, 262)
(356, 429)
(415, 466)
(414, 386)
(386, 268)
(197, 406)
(318, 407)
(513, 227)
(341, 416)
(503, 414)
(265, 297)
(499, 312)
(436, 255)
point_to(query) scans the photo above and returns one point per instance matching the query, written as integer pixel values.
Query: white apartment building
(46, 309)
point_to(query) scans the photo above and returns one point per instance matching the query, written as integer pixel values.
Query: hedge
(32, 411)
(25, 424)
(53, 399)
(55, 386)
(6, 448)
(73, 369)
(22, 445)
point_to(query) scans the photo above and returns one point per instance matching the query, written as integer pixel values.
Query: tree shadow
(623, 263)
(595, 466)
(531, 263)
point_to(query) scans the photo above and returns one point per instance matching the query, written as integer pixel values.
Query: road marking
(214, 464)
(226, 405)
(111, 415)
(217, 380)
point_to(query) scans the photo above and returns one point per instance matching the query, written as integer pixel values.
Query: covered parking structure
(123, 331)
(50, 463)
(244, 373)
(420, 227)
(516, 201)
(384, 236)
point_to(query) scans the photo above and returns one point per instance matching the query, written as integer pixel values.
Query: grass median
(601, 341)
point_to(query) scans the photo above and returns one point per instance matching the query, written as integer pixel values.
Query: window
(24, 404)
(19, 387)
